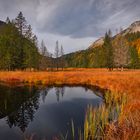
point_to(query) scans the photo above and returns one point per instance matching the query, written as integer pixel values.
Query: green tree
(135, 60)
(17, 50)
(108, 50)
(9, 46)
(21, 24)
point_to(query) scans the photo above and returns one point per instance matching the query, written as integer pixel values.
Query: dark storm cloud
(73, 19)
(86, 18)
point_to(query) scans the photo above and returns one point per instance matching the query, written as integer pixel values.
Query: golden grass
(119, 83)
(122, 82)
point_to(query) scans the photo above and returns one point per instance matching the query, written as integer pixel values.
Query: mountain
(97, 43)
(93, 56)
(133, 28)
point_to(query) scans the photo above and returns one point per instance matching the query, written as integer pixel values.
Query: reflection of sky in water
(6, 133)
(69, 93)
(57, 107)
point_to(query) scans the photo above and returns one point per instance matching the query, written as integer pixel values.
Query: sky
(74, 23)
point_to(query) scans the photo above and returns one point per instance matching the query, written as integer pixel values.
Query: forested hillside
(121, 50)
(19, 49)
(18, 45)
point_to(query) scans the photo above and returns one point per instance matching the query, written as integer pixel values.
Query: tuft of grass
(72, 129)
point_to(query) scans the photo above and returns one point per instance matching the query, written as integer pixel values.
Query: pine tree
(21, 25)
(8, 20)
(34, 40)
(18, 50)
(108, 50)
(29, 33)
(8, 46)
(135, 61)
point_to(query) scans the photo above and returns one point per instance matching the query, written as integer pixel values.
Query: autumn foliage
(136, 43)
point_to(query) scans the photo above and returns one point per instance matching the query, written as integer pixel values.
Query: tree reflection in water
(59, 91)
(19, 104)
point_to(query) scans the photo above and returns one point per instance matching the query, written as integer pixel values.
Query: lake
(44, 113)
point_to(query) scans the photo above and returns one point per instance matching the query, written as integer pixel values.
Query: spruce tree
(135, 60)
(21, 25)
(108, 50)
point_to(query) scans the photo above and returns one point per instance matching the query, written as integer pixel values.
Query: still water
(43, 114)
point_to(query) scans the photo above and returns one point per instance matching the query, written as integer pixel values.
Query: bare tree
(44, 56)
(57, 54)
(50, 61)
(62, 57)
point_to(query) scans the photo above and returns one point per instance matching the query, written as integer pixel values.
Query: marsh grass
(109, 121)
(121, 111)
(98, 120)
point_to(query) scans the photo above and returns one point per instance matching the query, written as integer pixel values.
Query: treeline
(18, 45)
(116, 52)
(19, 49)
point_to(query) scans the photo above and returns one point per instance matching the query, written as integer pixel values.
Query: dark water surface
(44, 113)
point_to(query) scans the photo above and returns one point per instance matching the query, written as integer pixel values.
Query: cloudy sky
(74, 23)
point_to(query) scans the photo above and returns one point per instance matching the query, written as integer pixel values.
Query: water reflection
(59, 91)
(18, 107)
(19, 104)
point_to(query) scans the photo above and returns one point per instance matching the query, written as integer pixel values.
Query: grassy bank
(125, 126)
(122, 82)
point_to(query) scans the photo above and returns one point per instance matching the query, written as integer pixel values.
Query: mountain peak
(135, 24)
(97, 43)
(134, 27)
